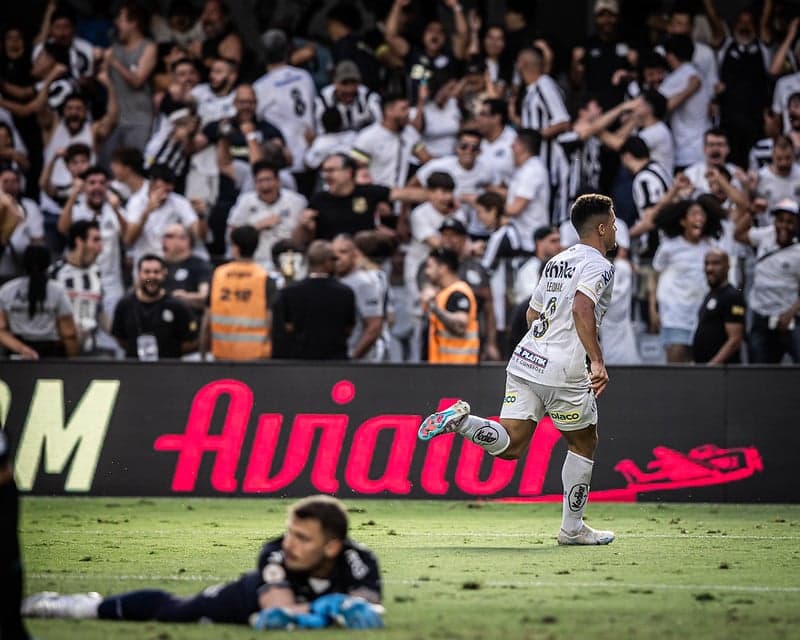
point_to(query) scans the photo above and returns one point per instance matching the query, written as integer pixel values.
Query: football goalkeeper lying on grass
(313, 576)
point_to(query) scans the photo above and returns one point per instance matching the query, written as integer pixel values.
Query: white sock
(485, 433)
(576, 475)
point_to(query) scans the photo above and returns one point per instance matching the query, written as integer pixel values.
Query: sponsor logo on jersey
(530, 359)
(577, 496)
(565, 418)
(559, 269)
(510, 398)
(486, 435)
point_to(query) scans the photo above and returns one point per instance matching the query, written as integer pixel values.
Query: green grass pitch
(451, 569)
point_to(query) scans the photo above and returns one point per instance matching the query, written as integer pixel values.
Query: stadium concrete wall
(287, 430)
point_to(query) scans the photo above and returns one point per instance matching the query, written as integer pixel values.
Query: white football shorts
(570, 408)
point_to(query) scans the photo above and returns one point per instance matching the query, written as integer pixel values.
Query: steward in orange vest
(239, 314)
(452, 312)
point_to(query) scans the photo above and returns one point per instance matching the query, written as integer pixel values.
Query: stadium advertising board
(289, 430)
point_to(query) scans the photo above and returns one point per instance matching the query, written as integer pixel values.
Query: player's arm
(372, 331)
(586, 327)
(531, 315)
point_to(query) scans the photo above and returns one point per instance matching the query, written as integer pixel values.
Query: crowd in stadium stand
(389, 187)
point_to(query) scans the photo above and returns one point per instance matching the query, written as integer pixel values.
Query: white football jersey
(551, 352)
(286, 98)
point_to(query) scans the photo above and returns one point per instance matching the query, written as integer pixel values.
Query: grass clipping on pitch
(451, 569)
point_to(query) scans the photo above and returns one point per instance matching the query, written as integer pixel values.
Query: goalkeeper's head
(315, 533)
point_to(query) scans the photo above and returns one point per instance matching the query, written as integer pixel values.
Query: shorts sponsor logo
(485, 435)
(510, 398)
(577, 496)
(565, 418)
(530, 359)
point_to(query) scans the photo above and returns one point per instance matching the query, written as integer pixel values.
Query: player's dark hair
(586, 208)
(531, 139)
(636, 147)
(96, 169)
(681, 46)
(446, 257)
(374, 246)
(80, 229)
(129, 157)
(75, 150)
(276, 46)
(332, 120)
(657, 102)
(150, 257)
(264, 165)
(327, 510)
(441, 180)
(492, 201)
(35, 261)
(498, 107)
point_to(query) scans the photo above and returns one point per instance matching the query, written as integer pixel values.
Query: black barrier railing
(107, 428)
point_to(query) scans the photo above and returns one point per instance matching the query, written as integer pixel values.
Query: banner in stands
(287, 430)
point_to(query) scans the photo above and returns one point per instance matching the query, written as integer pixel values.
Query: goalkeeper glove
(348, 611)
(280, 618)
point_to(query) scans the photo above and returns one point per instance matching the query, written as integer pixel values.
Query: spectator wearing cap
(471, 174)
(437, 115)
(601, 56)
(454, 236)
(498, 136)
(149, 214)
(773, 298)
(358, 105)
(286, 96)
(434, 54)
(720, 324)
(687, 102)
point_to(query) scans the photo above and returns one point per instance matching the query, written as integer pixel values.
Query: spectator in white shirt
(687, 102)
(678, 284)
(528, 193)
(780, 179)
(498, 137)
(271, 210)
(383, 146)
(715, 155)
(150, 213)
(437, 115)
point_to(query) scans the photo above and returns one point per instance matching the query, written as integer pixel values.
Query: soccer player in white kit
(547, 373)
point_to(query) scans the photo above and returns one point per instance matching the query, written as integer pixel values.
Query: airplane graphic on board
(671, 469)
